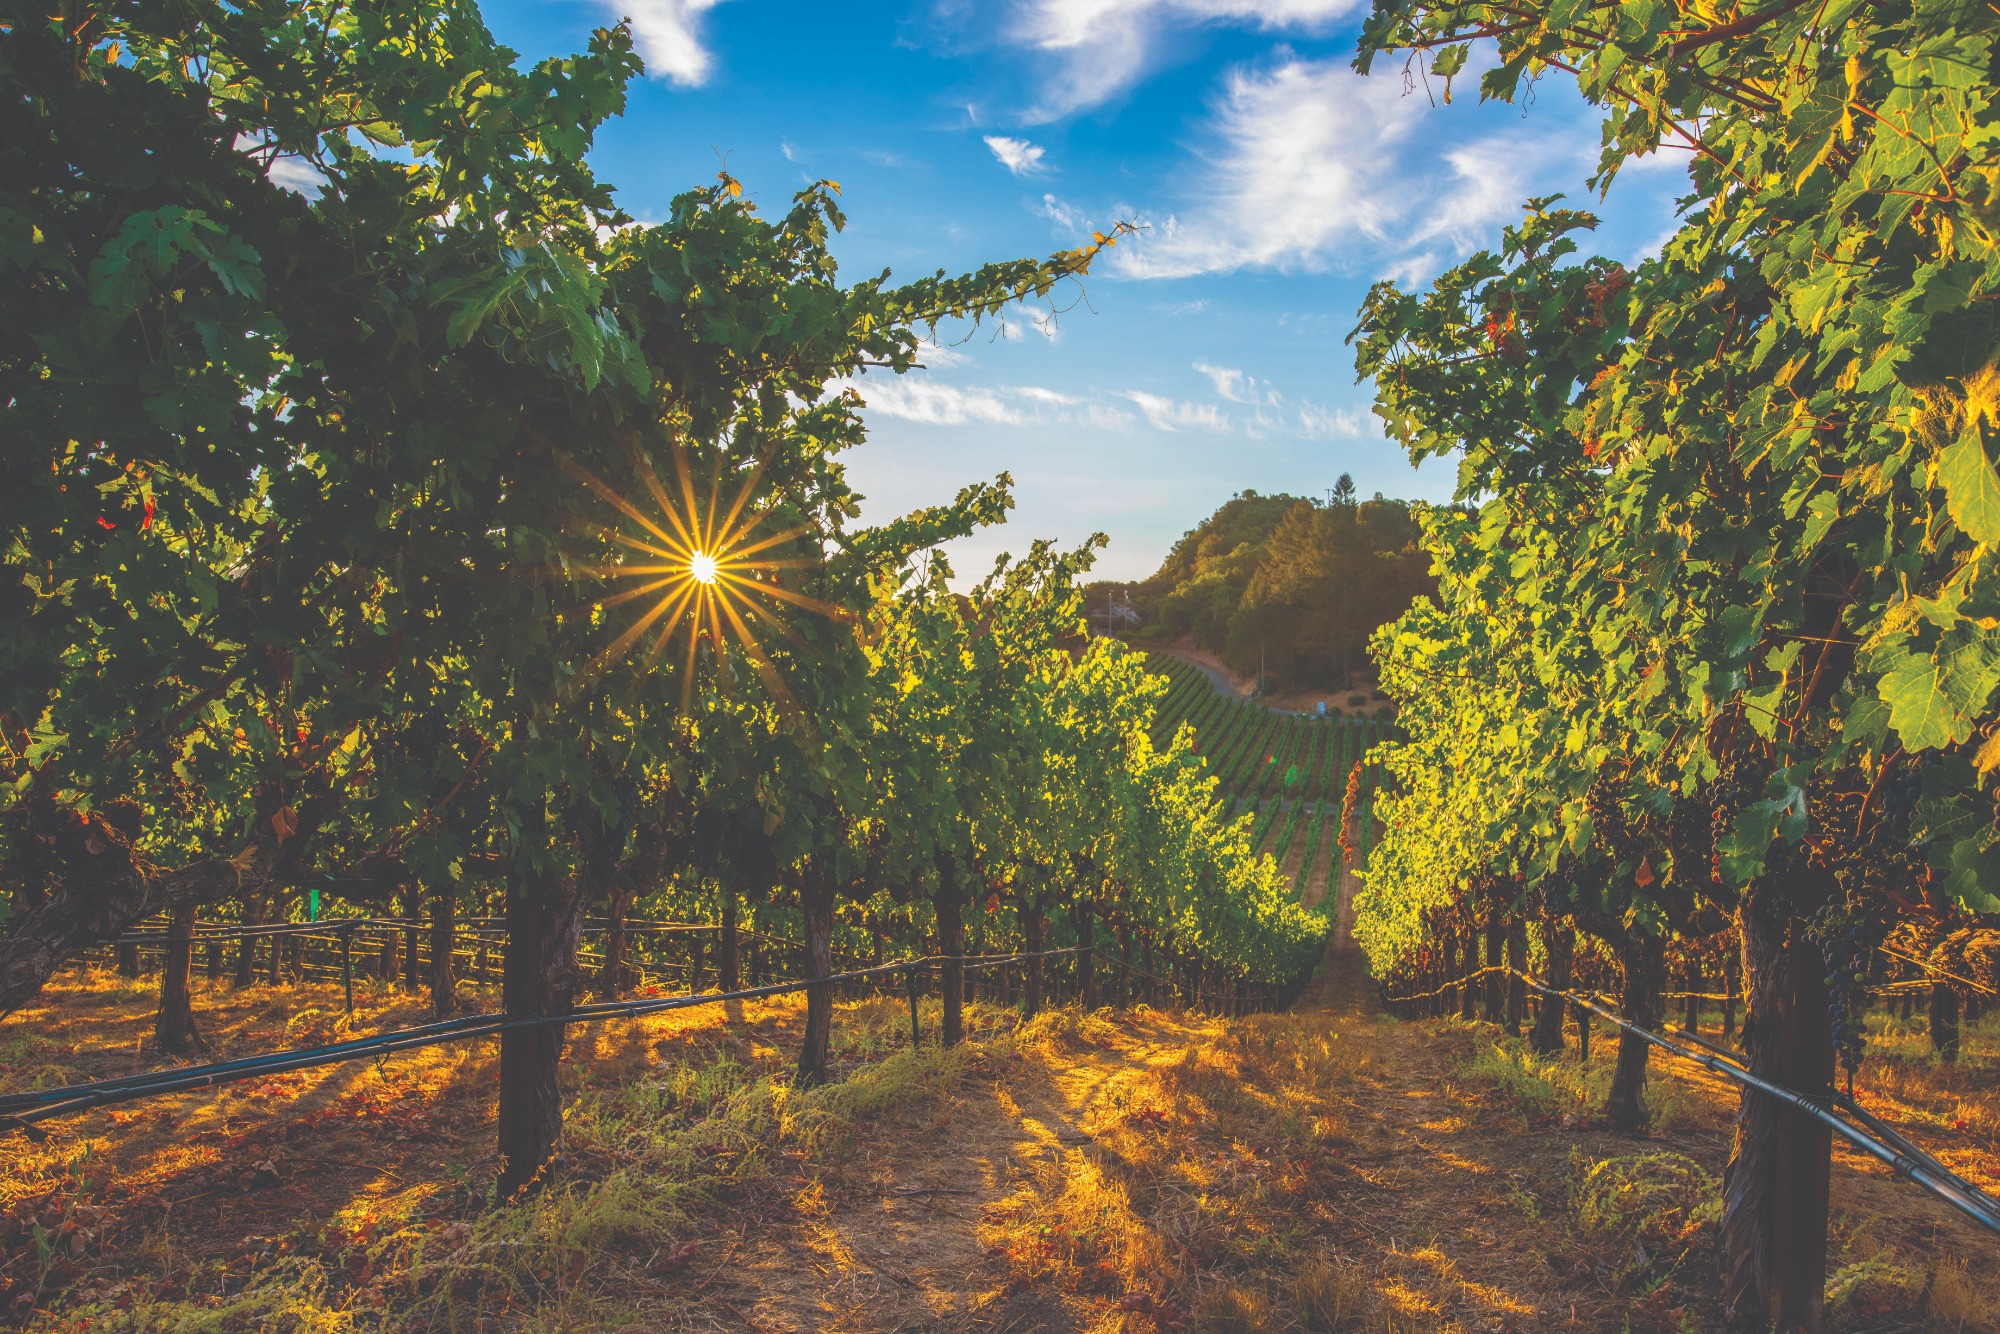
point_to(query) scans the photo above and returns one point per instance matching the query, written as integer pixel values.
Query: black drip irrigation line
(20, 1111)
(1903, 1158)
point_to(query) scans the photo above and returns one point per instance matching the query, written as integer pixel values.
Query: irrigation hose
(20, 1111)
(1971, 1202)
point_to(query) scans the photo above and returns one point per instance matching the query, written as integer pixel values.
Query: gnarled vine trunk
(538, 979)
(1517, 990)
(1644, 957)
(611, 981)
(1775, 1188)
(1559, 945)
(1943, 1019)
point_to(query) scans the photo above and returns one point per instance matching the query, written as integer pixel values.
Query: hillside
(1286, 583)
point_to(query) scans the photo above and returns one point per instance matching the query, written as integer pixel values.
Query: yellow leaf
(1988, 758)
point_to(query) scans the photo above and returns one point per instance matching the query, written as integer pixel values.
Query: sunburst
(700, 567)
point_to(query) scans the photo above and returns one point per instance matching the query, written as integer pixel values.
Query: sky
(1201, 357)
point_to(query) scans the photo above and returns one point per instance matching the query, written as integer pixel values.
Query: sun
(704, 565)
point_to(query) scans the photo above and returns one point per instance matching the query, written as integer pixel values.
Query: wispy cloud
(1310, 166)
(1320, 423)
(1229, 382)
(1017, 155)
(1273, 414)
(1102, 47)
(934, 404)
(668, 34)
(1170, 414)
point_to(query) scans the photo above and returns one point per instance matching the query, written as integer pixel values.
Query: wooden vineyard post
(950, 908)
(1732, 982)
(816, 893)
(728, 974)
(280, 910)
(1468, 991)
(347, 965)
(444, 931)
(174, 1027)
(1031, 931)
(916, 1029)
(412, 910)
(1496, 944)
(1124, 975)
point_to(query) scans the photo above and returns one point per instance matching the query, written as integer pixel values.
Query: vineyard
(1302, 779)
(491, 840)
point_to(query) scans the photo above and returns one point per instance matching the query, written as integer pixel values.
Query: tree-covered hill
(1300, 583)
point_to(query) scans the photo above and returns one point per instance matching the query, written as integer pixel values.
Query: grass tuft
(1231, 1308)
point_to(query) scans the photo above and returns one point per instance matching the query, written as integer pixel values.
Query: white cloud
(1034, 393)
(1101, 46)
(1167, 414)
(1017, 155)
(922, 399)
(936, 356)
(1312, 166)
(933, 404)
(1320, 423)
(287, 171)
(297, 174)
(668, 35)
(1229, 383)
(789, 149)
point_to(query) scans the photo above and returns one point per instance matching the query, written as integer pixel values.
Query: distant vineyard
(1288, 772)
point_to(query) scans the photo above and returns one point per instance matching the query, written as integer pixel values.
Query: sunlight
(700, 564)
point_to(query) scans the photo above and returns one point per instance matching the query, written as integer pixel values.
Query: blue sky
(1202, 357)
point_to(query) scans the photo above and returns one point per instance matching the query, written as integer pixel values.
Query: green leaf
(1971, 487)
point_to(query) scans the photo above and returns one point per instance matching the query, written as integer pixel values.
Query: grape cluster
(1849, 934)
(1607, 817)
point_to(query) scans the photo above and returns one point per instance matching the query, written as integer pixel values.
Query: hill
(1286, 583)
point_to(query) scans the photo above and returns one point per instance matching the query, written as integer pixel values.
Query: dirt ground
(1117, 1171)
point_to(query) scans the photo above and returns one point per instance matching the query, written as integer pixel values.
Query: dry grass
(1115, 1173)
